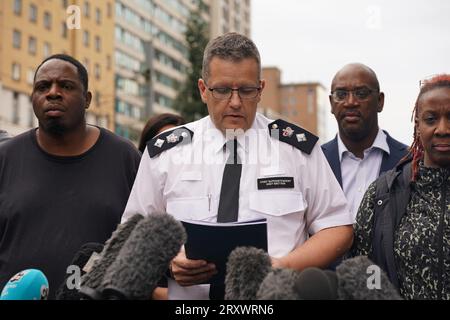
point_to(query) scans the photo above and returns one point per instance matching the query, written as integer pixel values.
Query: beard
(355, 134)
(53, 127)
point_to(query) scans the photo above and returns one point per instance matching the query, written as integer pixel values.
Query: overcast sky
(403, 41)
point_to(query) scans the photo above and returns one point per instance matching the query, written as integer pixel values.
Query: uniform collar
(219, 139)
(380, 143)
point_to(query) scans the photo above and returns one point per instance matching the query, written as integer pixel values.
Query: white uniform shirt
(358, 174)
(185, 181)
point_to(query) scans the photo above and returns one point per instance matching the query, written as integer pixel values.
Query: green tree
(188, 100)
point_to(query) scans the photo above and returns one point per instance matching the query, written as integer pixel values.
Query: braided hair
(416, 151)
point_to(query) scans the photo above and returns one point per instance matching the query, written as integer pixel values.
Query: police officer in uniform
(235, 165)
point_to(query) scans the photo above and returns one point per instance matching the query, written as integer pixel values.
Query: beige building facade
(32, 30)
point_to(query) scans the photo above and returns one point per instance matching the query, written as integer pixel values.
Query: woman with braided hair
(403, 222)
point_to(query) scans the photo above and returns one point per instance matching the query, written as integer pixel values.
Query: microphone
(361, 279)
(91, 281)
(246, 269)
(278, 285)
(144, 258)
(354, 279)
(316, 284)
(80, 259)
(30, 284)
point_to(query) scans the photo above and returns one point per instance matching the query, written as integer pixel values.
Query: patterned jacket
(422, 238)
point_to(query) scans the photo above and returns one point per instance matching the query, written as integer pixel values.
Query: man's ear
(380, 102)
(330, 98)
(202, 88)
(88, 99)
(262, 84)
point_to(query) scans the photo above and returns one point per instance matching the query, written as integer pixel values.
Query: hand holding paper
(187, 272)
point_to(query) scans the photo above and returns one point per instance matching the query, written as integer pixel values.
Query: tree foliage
(188, 100)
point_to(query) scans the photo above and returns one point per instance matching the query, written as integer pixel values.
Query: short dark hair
(231, 46)
(82, 72)
(156, 123)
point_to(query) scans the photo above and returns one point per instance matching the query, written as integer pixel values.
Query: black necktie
(229, 192)
(228, 203)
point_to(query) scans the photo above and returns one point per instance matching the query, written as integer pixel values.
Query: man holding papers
(237, 165)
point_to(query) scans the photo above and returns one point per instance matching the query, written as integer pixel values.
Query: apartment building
(230, 15)
(31, 30)
(151, 55)
(305, 104)
(134, 50)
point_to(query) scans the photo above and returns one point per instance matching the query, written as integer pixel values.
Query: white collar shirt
(358, 174)
(185, 181)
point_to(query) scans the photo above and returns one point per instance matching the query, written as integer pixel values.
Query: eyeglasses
(361, 94)
(225, 93)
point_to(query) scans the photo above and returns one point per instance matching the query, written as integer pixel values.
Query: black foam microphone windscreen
(144, 258)
(361, 279)
(246, 269)
(91, 281)
(67, 292)
(278, 285)
(316, 284)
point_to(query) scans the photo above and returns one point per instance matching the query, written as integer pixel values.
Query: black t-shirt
(50, 206)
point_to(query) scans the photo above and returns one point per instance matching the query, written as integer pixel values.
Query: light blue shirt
(358, 174)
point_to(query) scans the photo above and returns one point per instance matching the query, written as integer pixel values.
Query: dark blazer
(398, 150)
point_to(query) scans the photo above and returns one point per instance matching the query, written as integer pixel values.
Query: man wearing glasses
(237, 165)
(361, 151)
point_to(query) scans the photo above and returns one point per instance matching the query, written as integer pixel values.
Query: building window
(15, 71)
(108, 10)
(64, 4)
(47, 49)
(17, 39)
(64, 30)
(310, 101)
(86, 9)
(98, 43)
(18, 7)
(30, 76)
(237, 24)
(33, 13)
(97, 98)
(47, 20)
(98, 16)
(15, 109)
(97, 71)
(32, 45)
(86, 64)
(86, 38)
(108, 62)
(237, 7)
